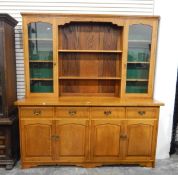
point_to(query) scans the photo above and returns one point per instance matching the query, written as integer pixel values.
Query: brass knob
(107, 113)
(141, 112)
(72, 112)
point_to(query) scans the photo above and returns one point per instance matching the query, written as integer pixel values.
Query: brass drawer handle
(72, 113)
(36, 112)
(141, 112)
(107, 113)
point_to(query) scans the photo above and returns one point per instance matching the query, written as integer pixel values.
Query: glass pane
(40, 49)
(139, 48)
(137, 71)
(37, 30)
(41, 86)
(138, 51)
(1, 92)
(139, 42)
(137, 87)
(41, 57)
(41, 70)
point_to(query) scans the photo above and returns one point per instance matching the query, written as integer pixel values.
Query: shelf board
(2, 137)
(40, 39)
(139, 41)
(88, 78)
(2, 146)
(40, 61)
(41, 79)
(90, 51)
(137, 79)
(138, 62)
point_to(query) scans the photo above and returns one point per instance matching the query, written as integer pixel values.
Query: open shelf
(89, 87)
(90, 51)
(137, 79)
(40, 39)
(41, 79)
(88, 78)
(89, 57)
(40, 61)
(138, 62)
(139, 41)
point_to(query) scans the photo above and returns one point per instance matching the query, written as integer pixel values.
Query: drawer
(107, 112)
(36, 112)
(141, 112)
(2, 140)
(71, 112)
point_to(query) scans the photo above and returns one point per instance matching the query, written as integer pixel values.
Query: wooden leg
(9, 166)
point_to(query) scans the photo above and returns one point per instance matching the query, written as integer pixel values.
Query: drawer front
(108, 112)
(141, 112)
(72, 112)
(36, 112)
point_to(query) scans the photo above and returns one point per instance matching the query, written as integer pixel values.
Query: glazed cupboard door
(39, 58)
(106, 140)
(36, 139)
(72, 137)
(140, 139)
(141, 59)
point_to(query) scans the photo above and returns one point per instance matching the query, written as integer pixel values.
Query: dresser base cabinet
(88, 136)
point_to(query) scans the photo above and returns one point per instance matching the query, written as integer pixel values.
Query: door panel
(72, 139)
(105, 139)
(36, 139)
(140, 139)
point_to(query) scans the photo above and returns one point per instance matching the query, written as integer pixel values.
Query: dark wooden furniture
(8, 112)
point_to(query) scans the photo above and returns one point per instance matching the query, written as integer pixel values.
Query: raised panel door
(36, 140)
(106, 140)
(72, 140)
(141, 139)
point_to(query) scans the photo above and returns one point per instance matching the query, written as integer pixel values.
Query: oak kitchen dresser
(89, 90)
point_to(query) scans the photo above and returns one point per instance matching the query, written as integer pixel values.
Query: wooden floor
(163, 167)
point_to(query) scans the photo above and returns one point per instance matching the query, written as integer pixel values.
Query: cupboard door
(40, 60)
(36, 139)
(141, 58)
(72, 140)
(106, 140)
(141, 139)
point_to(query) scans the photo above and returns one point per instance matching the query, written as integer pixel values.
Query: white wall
(166, 71)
